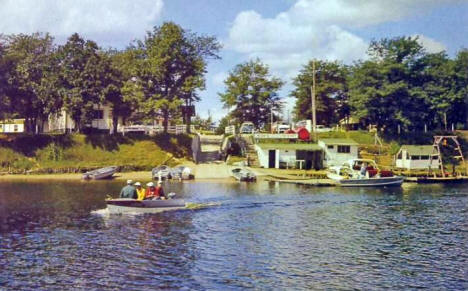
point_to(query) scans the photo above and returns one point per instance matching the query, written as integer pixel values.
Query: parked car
(281, 128)
(247, 127)
(323, 128)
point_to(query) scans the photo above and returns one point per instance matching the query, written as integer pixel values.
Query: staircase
(250, 151)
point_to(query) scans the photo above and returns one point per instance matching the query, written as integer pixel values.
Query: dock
(309, 182)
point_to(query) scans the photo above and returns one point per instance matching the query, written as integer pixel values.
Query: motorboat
(182, 173)
(162, 172)
(362, 173)
(243, 174)
(128, 205)
(103, 173)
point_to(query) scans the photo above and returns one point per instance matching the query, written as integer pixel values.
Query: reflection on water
(56, 235)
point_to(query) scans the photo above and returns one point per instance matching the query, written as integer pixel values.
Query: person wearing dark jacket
(129, 191)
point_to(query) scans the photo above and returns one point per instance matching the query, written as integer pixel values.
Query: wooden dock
(429, 180)
(309, 182)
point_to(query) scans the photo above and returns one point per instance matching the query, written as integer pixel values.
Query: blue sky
(284, 34)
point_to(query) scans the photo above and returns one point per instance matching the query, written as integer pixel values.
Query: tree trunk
(115, 121)
(166, 120)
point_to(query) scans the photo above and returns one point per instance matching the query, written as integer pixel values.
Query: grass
(71, 153)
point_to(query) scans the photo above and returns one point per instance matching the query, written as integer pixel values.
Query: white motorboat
(128, 205)
(102, 173)
(182, 173)
(363, 173)
(243, 174)
(162, 172)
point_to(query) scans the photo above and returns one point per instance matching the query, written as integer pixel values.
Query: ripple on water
(286, 237)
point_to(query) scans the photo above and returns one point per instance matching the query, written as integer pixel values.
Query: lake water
(262, 236)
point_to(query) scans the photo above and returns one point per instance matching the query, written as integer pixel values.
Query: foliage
(169, 67)
(331, 92)
(252, 92)
(32, 78)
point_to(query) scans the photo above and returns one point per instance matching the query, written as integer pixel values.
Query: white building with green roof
(338, 150)
(289, 155)
(412, 157)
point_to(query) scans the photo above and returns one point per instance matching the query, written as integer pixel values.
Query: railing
(153, 129)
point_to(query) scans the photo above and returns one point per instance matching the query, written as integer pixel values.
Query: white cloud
(109, 20)
(317, 29)
(430, 44)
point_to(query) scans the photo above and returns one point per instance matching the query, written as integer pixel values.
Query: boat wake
(194, 206)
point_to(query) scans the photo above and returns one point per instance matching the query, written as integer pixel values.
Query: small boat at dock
(181, 173)
(162, 172)
(349, 175)
(128, 205)
(243, 175)
(103, 173)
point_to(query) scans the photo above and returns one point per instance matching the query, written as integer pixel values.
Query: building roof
(418, 150)
(290, 146)
(338, 141)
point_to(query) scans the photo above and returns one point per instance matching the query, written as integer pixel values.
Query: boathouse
(289, 155)
(413, 157)
(338, 150)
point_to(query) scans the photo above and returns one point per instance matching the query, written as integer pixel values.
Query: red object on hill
(303, 133)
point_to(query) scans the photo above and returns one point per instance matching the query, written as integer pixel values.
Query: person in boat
(363, 170)
(154, 192)
(140, 191)
(129, 191)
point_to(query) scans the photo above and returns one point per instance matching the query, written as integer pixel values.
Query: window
(15, 128)
(424, 157)
(413, 158)
(98, 114)
(344, 149)
(330, 147)
(400, 155)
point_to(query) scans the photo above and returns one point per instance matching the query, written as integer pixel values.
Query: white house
(63, 121)
(12, 126)
(338, 150)
(289, 155)
(417, 157)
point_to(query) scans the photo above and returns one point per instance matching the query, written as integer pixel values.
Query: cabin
(12, 125)
(338, 150)
(62, 122)
(289, 155)
(412, 157)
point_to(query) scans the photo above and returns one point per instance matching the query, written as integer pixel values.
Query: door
(271, 158)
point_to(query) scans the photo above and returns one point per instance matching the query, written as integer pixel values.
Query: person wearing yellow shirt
(140, 191)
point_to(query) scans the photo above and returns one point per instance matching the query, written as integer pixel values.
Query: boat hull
(125, 205)
(372, 182)
(104, 173)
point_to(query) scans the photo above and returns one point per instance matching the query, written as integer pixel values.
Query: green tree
(170, 68)
(81, 79)
(331, 92)
(459, 109)
(252, 92)
(382, 90)
(33, 80)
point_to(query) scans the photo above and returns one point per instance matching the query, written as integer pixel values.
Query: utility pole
(312, 96)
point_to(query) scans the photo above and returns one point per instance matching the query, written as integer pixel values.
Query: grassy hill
(75, 152)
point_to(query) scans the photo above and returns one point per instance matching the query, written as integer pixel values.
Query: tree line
(399, 85)
(151, 78)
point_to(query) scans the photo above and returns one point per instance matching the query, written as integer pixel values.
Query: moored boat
(128, 205)
(243, 174)
(103, 173)
(363, 173)
(181, 173)
(162, 172)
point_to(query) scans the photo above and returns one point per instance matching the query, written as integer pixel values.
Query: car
(323, 128)
(247, 127)
(281, 128)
